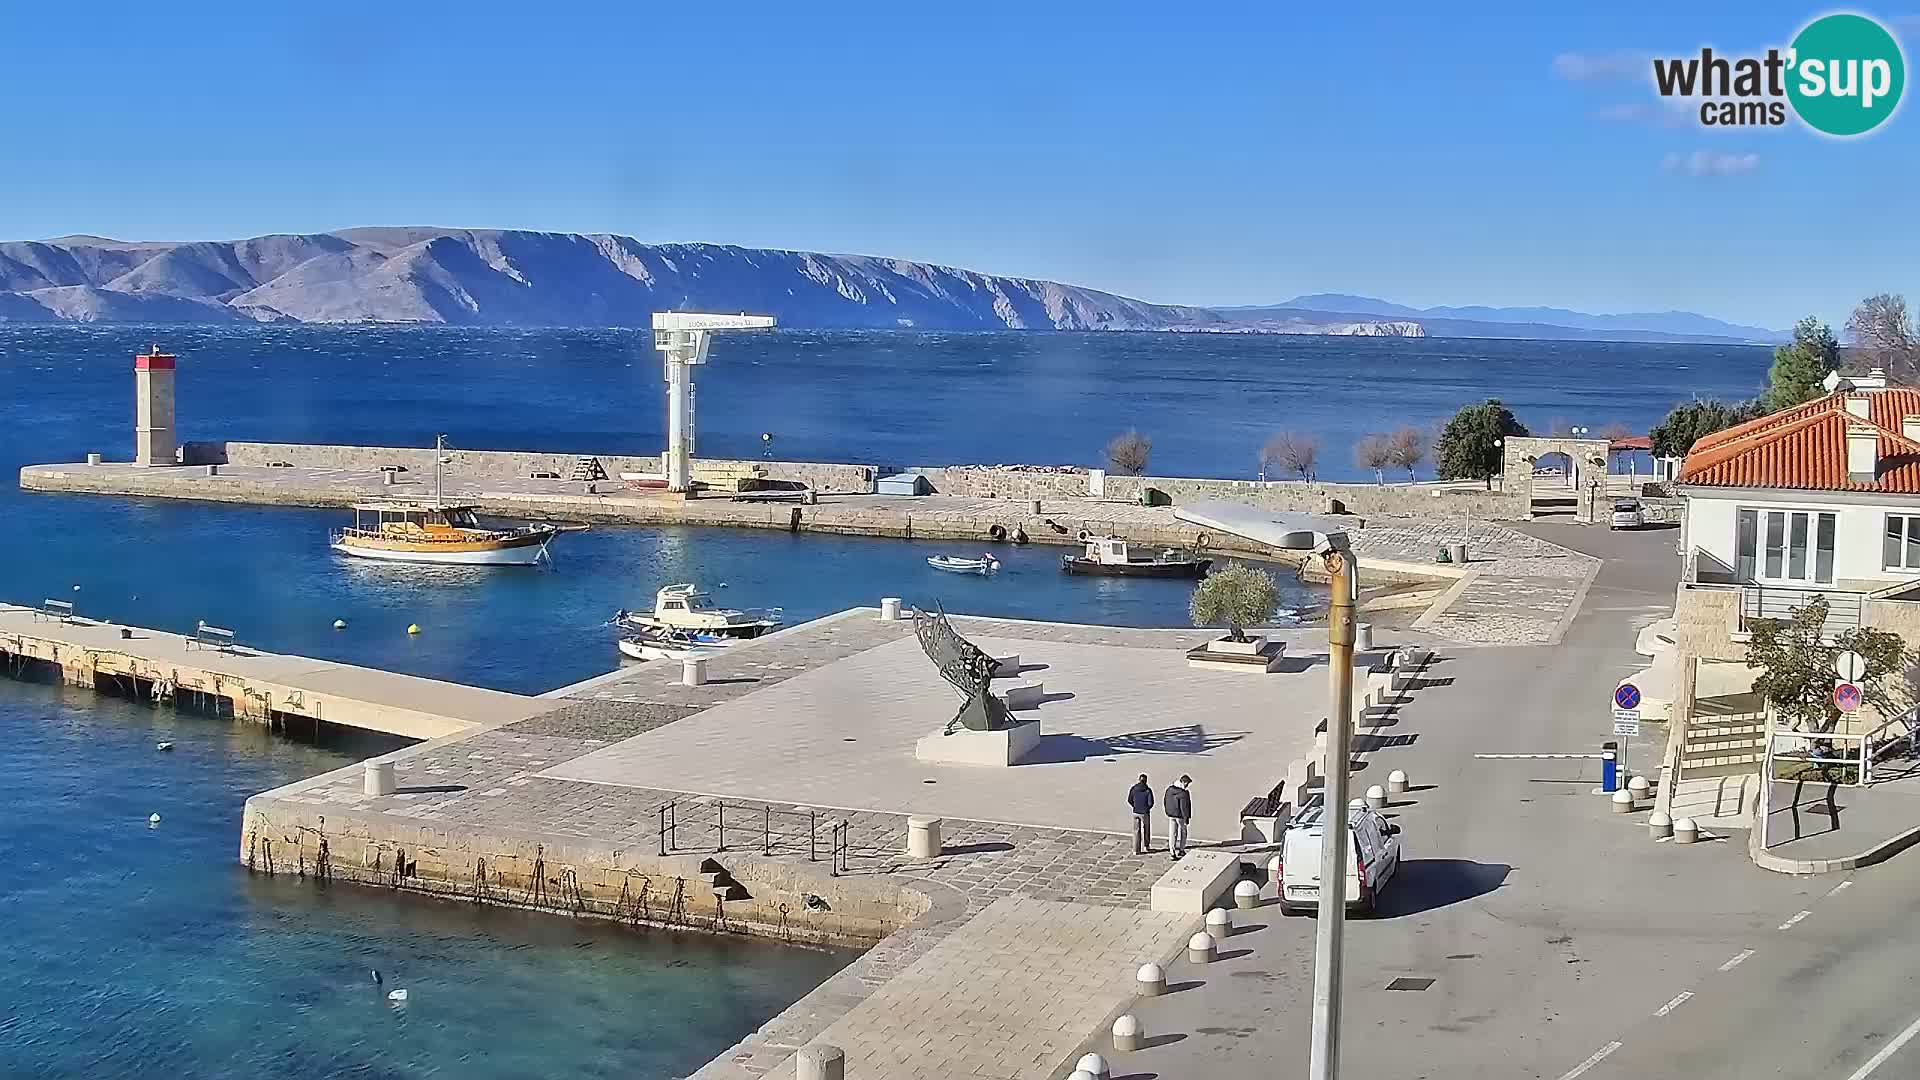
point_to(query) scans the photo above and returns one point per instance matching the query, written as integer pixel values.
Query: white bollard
(1685, 831)
(1623, 801)
(380, 780)
(923, 837)
(93, 459)
(1357, 804)
(1082, 1074)
(1377, 797)
(1127, 1033)
(1219, 924)
(820, 1062)
(1363, 636)
(889, 609)
(1659, 825)
(1274, 867)
(693, 671)
(1150, 980)
(1200, 948)
(1638, 788)
(1246, 896)
(1397, 782)
(1093, 1065)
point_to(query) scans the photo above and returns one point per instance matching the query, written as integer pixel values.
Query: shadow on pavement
(1429, 884)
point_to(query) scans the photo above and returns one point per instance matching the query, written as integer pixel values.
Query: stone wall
(569, 875)
(1704, 619)
(820, 476)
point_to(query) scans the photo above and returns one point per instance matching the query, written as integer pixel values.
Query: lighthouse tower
(153, 438)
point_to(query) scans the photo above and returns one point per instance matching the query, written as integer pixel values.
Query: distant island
(505, 277)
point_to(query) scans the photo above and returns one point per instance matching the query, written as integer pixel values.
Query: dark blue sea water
(139, 952)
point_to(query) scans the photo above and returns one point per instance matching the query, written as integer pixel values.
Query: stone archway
(1579, 492)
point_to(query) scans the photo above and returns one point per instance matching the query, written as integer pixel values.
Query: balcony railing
(1779, 602)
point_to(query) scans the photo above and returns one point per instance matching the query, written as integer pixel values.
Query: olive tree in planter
(1239, 596)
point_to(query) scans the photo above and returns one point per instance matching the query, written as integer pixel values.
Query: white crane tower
(682, 336)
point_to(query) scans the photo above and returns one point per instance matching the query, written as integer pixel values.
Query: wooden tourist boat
(420, 532)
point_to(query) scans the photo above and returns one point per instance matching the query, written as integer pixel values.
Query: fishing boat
(658, 644)
(686, 608)
(954, 564)
(1106, 557)
(439, 532)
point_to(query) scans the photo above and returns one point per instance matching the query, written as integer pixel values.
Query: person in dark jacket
(1140, 798)
(1179, 807)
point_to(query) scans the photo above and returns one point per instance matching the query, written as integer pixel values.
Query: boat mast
(439, 471)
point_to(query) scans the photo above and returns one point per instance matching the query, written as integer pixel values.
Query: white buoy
(1246, 895)
(1396, 782)
(339, 624)
(153, 821)
(1094, 1065)
(397, 995)
(1151, 980)
(163, 746)
(1126, 1033)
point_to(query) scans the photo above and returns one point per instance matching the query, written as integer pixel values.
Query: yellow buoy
(413, 628)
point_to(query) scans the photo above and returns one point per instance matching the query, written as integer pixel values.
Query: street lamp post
(1326, 538)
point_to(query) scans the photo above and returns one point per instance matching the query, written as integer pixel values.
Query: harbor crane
(683, 337)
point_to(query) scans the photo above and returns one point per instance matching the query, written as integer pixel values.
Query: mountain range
(504, 277)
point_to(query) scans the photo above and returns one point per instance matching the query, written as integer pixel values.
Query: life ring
(997, 532)
(1019, 536)
(1083, 536)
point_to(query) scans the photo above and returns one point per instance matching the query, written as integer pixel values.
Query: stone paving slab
(1011, 994)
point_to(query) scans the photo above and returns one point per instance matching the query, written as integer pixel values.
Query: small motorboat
(1107, 557)
(658, 644)
(954, 564)
(686, 608)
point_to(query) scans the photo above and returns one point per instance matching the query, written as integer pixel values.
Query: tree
(1796, 667)
(1407, 448)
(1800, 365)
(1373, 452)
(1689, 423)
(1127, 453)
(1289, 452)
(1883, 333)
(1468, 446)
(1239, 596)
(1615, 431)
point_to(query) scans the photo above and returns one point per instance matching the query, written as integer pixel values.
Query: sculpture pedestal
(1008, 746)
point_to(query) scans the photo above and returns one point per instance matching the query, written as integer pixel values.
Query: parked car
(1626, 514)
(1372, 860)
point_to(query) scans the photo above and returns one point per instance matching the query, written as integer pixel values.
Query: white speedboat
(954, 564)
(685, 608)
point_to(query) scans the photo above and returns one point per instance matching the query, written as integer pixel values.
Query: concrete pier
(260, 686)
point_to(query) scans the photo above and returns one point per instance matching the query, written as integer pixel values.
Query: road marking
(1840, 886)
(1738, 958)
(1517, 757)
(1679, 999)
(1876, 1060)
(1600, 1054)
(1788, 925)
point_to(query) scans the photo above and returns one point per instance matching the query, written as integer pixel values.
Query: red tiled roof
(1806, 448)
(1631, 442)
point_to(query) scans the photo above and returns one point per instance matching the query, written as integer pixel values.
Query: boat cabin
(404, 518)
(1110, 552)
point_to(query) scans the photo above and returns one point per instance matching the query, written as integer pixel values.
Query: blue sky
(1199, 153)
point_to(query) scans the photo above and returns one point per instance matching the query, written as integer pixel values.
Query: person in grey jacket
(1140, 798)
(1179, 807)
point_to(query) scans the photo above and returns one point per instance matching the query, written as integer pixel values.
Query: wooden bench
(58, 610)
(1265, 816)
(208, 636)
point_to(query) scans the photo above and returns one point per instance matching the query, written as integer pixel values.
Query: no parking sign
(1846, 696)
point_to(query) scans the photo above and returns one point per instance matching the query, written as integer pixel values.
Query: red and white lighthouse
(153, 438)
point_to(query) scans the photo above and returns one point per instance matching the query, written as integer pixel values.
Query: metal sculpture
(967, 668)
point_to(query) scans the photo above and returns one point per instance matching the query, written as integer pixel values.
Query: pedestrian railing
(718, 825)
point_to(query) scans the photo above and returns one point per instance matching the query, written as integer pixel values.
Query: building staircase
(1718, 782)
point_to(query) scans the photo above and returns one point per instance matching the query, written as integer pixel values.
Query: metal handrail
(745, 816)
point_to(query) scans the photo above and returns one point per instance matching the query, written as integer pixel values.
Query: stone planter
(1253, 646)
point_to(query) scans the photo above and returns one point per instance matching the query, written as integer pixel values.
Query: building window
(1789, 545)
(1900, 549)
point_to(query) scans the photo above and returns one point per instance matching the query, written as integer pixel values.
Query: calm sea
(139, 952)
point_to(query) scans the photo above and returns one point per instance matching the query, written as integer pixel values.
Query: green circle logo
(1846, 74)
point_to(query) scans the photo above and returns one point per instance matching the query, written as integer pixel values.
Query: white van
(1372, 860)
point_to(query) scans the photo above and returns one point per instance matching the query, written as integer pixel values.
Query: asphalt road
(1554, 932)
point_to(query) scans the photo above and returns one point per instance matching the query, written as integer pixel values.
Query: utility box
(902, 484)
(153, 434)
(1154, 497)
